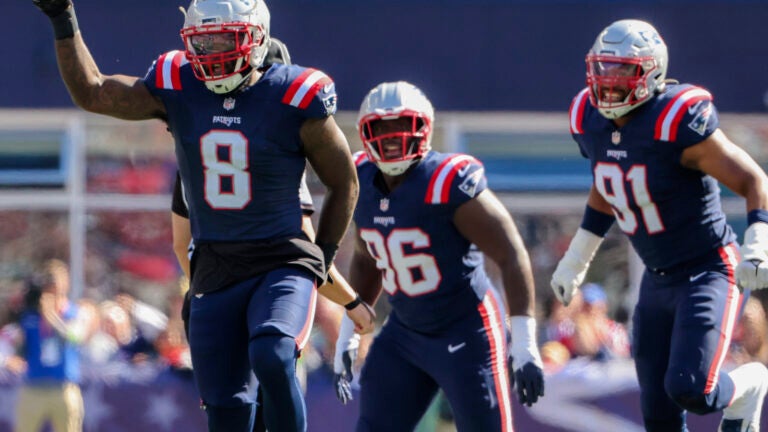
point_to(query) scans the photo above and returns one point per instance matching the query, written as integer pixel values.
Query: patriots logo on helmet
(229, 104)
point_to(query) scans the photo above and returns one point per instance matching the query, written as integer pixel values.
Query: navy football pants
(260, 324)
(468, 361)
(683, 323)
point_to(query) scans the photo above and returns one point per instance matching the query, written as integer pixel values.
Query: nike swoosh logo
(453, 348)
(327, 88)
(199, 295)
(463, 171)
(696, 277)
(693, 108)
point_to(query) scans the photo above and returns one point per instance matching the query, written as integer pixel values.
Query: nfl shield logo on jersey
(616, 137)
(384, 204)
(229, 103)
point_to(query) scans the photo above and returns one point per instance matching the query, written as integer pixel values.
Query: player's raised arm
(328, 152)
(118, 96)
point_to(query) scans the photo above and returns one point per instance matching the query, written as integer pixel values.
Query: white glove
(752, 271)
(344, 359)
(527, 368)
(572, 268)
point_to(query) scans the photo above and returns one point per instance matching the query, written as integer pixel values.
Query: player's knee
(686, 389)
(272, 356)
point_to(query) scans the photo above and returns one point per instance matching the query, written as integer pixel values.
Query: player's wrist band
(596, 222)
(757, 215)
(354, 303)
(65, 24)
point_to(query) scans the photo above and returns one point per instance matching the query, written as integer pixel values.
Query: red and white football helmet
(629, 59)
(225, 40)
(391, 101)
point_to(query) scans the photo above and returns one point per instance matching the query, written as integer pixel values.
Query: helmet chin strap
(396, 168)
(229, 84)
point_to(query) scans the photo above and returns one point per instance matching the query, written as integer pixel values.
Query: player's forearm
(365, 278)
(78, 70)
(116, 95)
(339, 292)
(519, 287)
(337, 212)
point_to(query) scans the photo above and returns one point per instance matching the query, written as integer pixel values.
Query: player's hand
(752, 271)
(752, 274)
(572, 268)
(526, 362)
(567, 278)
(343, 359)
(52, 8)
(364, 318)
(529, 379)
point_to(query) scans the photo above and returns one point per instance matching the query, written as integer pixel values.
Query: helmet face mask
(626, 67)
(395, 125)
(225, 40)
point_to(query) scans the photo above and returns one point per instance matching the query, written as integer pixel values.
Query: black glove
(52, 8)
(530, 383)
(342, 382)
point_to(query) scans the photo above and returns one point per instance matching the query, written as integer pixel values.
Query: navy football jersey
(433, 275)
(671, 213)
(240, 154)
(179, 203)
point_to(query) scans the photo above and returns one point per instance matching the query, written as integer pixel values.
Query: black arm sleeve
(178, 204)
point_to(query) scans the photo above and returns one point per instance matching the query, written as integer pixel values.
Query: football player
(242, 138)
(657, 154)
(423, 222)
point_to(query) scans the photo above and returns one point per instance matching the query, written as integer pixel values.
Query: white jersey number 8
(233, 166)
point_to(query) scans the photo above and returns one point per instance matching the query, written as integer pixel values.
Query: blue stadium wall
(467, 55)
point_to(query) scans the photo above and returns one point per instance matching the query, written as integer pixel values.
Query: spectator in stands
(148, 322)
(555, 356)
(115, 331)
(612, 337)
(53, 328)
(587, 330)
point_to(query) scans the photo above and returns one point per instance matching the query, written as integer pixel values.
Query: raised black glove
(52, 8)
